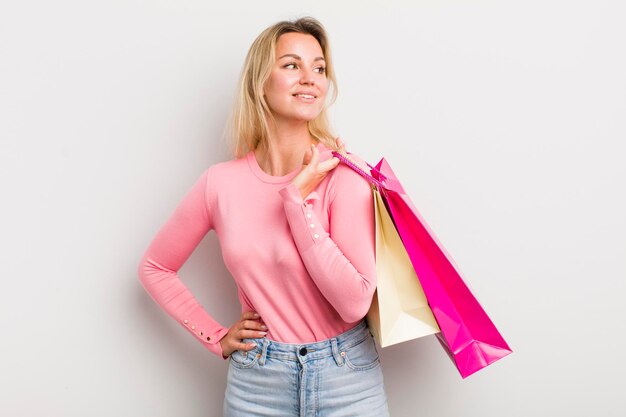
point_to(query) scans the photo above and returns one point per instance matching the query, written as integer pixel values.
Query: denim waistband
(305, 352)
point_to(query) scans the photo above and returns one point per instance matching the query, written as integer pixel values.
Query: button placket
(307, 213)
(316, 230)
(194, 328)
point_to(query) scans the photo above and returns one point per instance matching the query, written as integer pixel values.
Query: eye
(322, 70)
(288, 65)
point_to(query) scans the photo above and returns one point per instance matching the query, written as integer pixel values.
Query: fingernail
(264, 327)
(253, 344)
(256, 314)
(262, 333)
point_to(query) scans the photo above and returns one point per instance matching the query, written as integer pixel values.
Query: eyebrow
(319, 58)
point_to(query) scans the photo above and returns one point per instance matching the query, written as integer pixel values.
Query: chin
(299, 116)
(310, 116)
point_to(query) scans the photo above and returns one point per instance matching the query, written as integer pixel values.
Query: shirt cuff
(208, 331)
(306, 228)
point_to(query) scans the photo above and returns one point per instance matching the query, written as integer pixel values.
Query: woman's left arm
(341, 261)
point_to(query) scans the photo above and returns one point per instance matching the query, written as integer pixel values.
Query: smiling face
(297, 86)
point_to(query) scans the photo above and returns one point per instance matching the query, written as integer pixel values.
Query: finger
(244, 346)
(342, 148)
(340, 144)
(306, 160)
(315, 155)
(338, 141)
(249, 315)
(251, 334)
(252, 325)
(329, 164)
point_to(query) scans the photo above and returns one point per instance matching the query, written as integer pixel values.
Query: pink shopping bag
(467, 334)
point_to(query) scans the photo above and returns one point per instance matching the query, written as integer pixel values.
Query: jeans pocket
(246, 359)
(363, 355)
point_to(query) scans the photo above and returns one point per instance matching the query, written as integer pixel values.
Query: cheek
(283, 85)
(276, 92)
(322, 86)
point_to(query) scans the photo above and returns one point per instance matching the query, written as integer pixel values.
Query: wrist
(301, 188)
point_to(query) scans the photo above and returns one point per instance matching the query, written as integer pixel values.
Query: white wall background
(504, 120)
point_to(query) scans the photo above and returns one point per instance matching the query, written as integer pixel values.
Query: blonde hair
(248, 123)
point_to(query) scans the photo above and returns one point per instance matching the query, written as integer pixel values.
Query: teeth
(305, 96)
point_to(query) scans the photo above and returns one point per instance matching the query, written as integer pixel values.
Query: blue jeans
(337, 377)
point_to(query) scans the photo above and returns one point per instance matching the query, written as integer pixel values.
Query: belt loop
(336, 354)
(263, 352)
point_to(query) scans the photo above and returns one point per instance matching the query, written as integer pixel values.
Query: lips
(308, 95)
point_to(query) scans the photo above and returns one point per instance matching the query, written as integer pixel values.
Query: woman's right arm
(168, 251)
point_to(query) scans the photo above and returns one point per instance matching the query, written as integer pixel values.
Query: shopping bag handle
(344, 158)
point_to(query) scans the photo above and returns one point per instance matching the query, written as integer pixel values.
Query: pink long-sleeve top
(306, 265)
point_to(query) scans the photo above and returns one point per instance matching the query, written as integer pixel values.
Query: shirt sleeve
(342, 261)
(166, 254)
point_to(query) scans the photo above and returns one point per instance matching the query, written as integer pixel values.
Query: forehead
(301, 44)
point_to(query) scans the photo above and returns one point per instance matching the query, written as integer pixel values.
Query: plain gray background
(504, 121)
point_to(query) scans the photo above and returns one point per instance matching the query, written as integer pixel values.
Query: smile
(305, 97)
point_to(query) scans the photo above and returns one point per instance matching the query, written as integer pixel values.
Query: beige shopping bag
(399, 310)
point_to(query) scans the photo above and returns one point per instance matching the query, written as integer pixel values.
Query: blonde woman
(297, 234)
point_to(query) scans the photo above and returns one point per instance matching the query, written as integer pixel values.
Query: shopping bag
(467, 334)
(399, 310)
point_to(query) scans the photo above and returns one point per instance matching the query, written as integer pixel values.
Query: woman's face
(297, 86)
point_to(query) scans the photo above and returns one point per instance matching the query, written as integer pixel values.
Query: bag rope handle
(346, 160)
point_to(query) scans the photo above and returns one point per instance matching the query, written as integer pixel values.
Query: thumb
(315, 155)
(329, 164)
(308, 156)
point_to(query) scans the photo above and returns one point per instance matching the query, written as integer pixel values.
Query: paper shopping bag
(399, 310)
(467, 334)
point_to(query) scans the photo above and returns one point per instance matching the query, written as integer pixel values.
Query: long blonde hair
(248, 123)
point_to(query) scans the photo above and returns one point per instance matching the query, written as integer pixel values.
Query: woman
(297, 234)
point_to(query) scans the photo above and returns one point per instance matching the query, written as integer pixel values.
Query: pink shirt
(307, 266)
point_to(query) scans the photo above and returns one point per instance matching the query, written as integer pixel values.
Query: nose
(307, 78)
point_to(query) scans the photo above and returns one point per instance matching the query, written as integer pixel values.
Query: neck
(289, 143)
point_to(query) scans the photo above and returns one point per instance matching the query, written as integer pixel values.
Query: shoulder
(224, 172)
(220, 175)
(225, 168)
